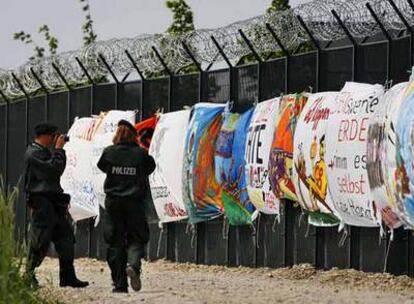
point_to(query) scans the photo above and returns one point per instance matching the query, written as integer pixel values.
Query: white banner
(346, 148)
(76, 179)
(258, 143)
(102, 138)
(309, 173)
(167, 149)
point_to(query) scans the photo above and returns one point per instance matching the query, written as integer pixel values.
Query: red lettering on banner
(352, 129)
(346, 185)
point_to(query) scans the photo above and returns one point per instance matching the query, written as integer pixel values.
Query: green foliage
(182, 17)
(13, 287)
(278, 5)
(89, 35)
(52, 41)
(27, 40)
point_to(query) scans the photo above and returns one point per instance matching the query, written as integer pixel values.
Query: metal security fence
(274, 242)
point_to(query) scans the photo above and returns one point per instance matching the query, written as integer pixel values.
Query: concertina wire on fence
(317, 15)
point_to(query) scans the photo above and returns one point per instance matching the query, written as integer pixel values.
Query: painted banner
(309, 175)
(102, 138)
(229, 161)
(346, 153)
(281, 151)
(202, 193)
(224, 147)
(403, 174)
(378, 166)
(76, 179)
(167, 149)
(258, 142)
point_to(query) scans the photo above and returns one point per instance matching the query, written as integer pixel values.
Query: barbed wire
(317, 15)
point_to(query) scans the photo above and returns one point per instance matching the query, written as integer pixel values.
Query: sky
(113, 19)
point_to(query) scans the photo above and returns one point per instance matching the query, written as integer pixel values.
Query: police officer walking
(45, 161)
(127, 167)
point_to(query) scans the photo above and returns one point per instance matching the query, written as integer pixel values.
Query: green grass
(14, 289)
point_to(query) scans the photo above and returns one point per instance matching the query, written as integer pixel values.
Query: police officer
(127, 167)
(45, 161)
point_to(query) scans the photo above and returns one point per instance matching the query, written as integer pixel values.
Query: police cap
(45, 128)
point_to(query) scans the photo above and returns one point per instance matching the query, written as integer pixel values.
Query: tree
(39, 51)
(278, 5)
(89, 35)
(182, 17)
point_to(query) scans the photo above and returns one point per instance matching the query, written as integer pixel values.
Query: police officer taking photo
(127, 167)
(45, 161)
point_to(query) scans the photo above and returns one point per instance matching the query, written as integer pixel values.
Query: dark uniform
(126, 230)
(50, 220)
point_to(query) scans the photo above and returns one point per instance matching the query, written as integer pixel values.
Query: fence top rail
(292, 27)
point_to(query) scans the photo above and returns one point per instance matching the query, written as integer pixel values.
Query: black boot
(68, 278)
(134, 276)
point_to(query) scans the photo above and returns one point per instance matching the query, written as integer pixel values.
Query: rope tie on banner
(301, 217)
(388, 249)
(258, 229)
(225, 231)
(307, 230)
(275, 222)
(344, 236)
(193, 236)
(382, 234)
(159, 241)
(254, 235)
(188, 228)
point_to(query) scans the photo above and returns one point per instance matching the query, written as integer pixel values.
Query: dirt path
(172, 283)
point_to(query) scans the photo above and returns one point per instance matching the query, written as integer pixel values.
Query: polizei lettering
(124, 170)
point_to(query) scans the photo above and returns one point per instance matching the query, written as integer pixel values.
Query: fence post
(42, 85)
(387, 36)
(26, 137)
(318, 49)
(6, 140)
(91, 97)
(201, 73)
(407, 25)
(170, 76)
(231, 68)
(91, 81)
(143, 80)
(351, 39)
(170, 86)
(107, 66)
(69, 88)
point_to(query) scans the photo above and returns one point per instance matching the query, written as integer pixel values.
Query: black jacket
(44, 168)
(127, 167)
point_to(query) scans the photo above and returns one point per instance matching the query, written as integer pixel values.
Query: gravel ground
(166, 282)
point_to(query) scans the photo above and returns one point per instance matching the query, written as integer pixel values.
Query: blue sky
(122, 18)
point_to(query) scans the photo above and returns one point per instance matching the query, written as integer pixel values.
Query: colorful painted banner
(378, 165)
(202, 193)
(258, 143)
(76, 179)
(102, 138)
(309, 175)
(167, 149)
(230, 163)
(346, 153)
(281, 151)
(403, 168)
(224, 147)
